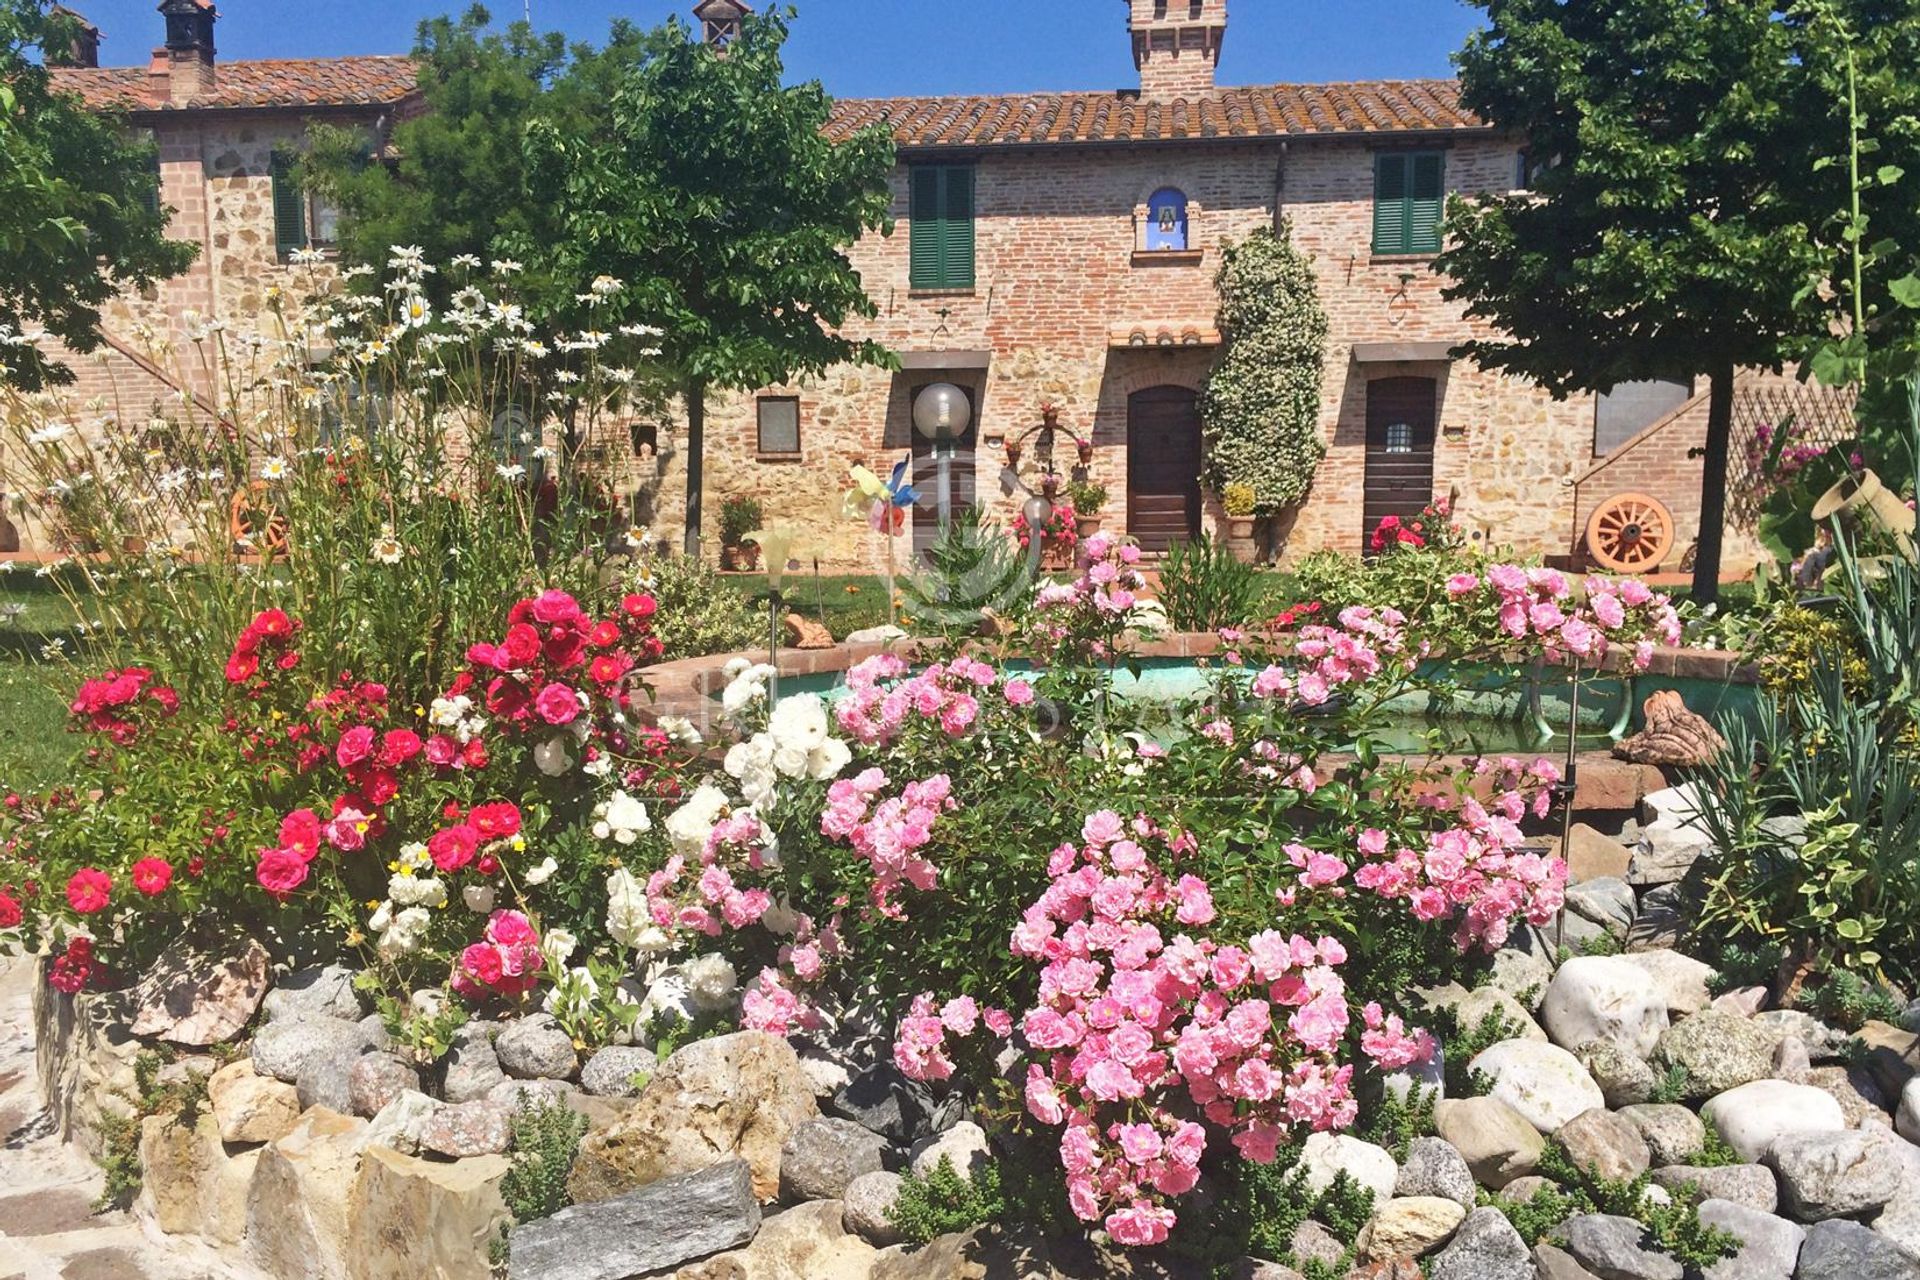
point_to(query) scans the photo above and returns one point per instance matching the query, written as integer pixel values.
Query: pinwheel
(884, 503)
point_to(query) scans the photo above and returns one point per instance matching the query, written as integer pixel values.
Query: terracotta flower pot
(1086, 526)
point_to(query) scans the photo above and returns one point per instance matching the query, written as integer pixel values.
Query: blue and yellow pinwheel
(884, 503)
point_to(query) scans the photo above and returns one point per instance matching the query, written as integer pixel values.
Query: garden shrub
(1205, 587)
(546, 1138)
(700, 612)
(1243, 904)
(1674, 1228)
(945, 1201)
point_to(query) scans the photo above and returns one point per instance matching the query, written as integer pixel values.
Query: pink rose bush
(506, 962)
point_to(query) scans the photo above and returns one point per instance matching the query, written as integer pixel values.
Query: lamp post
(942, 414)
(775, 546)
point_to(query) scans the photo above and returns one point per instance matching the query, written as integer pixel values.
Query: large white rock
(1681, 980)
(1750, 1117)
(1325, 1154)
(1543, 1082)
(1604, 998)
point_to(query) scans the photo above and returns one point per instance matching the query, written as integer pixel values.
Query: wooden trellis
(1819, 416)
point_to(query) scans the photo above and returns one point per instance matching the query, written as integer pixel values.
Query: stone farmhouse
(1051, 249)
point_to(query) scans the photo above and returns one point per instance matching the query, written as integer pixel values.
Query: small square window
(1399, 437)
(779, 424)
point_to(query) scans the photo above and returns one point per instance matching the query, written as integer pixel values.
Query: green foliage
(75, 185)
(1674, 1228)
(1204, 586)
(1844, 999)
(120, 1130)
(971, 569)
(1737, 965)
(1238, 499)
(1463, 1044)
(698, 613)
(944, 1202)
(1261, 1206)
(1261, 406)
(1393, 1121)
(422, 1035)
(739, 516)
(1087, 497)
(546, 1137)
(1715, 1152)
(1671, 1085)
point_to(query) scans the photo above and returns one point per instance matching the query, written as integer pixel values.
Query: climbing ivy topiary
(1261, 407)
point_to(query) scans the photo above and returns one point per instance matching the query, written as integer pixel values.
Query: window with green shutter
(150, 190)
(289, 207)
(1409, 199)
(940, 226)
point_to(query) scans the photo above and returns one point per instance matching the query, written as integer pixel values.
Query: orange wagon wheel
(1630, 533)
(254, 521)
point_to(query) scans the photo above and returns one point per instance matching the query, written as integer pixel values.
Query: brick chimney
(185, 62)
(83, 50)
(1176, 45)
(720, 20)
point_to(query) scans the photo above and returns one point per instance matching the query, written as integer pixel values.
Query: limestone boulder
(299, 1205)
(1841, 1250)
(1624, 1078)
(189, 1184)
(1497, 1142)
(1752, 1185)
(1608, 1144)
(250, 1107)
(672, 1220)
(868, 1202)
(964, 1147)
(736, 1095)
(1325, 1155)
(1543, 1082)
(1824, 1043)
(461, 1129)
(809, 1242)
(618, 1071)
(1591, 855)
(1751, 1116)
(1769, 1245)
(1673, 1133)
(473, 1068)
(1609, 1245)
(284, 1050)
(1843, 1174)
(1434, 1167)
(1409, 1227)
(1892, 1054)
(1665, 854)
(1604, 998)
(375, 1079)
(535, 1048)
(410, 1218)
(1523, 975)
(1680, 979)
(402, 1123)
(199, 996)
(1607, 902)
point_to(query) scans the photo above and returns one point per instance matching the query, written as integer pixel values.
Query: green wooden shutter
(1390, 203)
(150, 192)
(956, 240)
(289, 208)
(925, 226)
(1426, 201)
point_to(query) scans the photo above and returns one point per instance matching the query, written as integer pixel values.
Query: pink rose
(557, 704)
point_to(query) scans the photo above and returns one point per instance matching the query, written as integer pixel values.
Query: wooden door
(926, 472)
(1401, 417)
(1163, 466)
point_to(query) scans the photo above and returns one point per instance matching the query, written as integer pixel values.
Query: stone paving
(48, 1227)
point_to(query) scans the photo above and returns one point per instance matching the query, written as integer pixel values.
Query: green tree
(77, 217)
(1261, 406)
(1668, 232)
(716, 195)
(454, 176)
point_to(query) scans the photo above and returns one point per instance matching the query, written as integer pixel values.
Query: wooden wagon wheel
(255, 521)
(1630, 533)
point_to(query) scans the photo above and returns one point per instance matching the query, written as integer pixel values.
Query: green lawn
(844, 602)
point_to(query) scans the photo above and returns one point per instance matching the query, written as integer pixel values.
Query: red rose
(398, 747)
(556, 606)
(151, 876)
(10, 912)
(300, 833)
(639, 606)
(442, 750)
(522, 645)
(273, 623)
(281, 871)
(454, 847)
(499, 820)
(88, 890)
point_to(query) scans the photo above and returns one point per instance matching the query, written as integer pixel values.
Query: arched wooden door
(1163, 466)
(1401, 417)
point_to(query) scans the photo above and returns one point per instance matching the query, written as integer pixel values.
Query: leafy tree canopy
(1678, 224)
(77, 223)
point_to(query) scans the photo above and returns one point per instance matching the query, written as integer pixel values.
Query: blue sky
(884, 47)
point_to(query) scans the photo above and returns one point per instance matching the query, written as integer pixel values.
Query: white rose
(690, 825)
(799, 722)
(626, 908)
(828, 759)
(541, 873)
(711, 982)
(551, 757)
(557, 947)
(478, 897)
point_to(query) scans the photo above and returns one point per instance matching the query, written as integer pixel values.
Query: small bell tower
(720, 20)
(1176, 45)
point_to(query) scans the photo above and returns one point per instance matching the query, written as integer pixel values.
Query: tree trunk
(696, 394)
(1713, 487)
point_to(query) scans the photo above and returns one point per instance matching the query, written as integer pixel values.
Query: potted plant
(1237, 500)
(738, 517)
(1087, 498)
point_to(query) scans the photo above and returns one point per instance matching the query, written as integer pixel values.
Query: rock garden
(395, 923)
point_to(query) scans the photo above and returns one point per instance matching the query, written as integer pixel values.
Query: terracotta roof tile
(267, 82)
(1256, 111)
